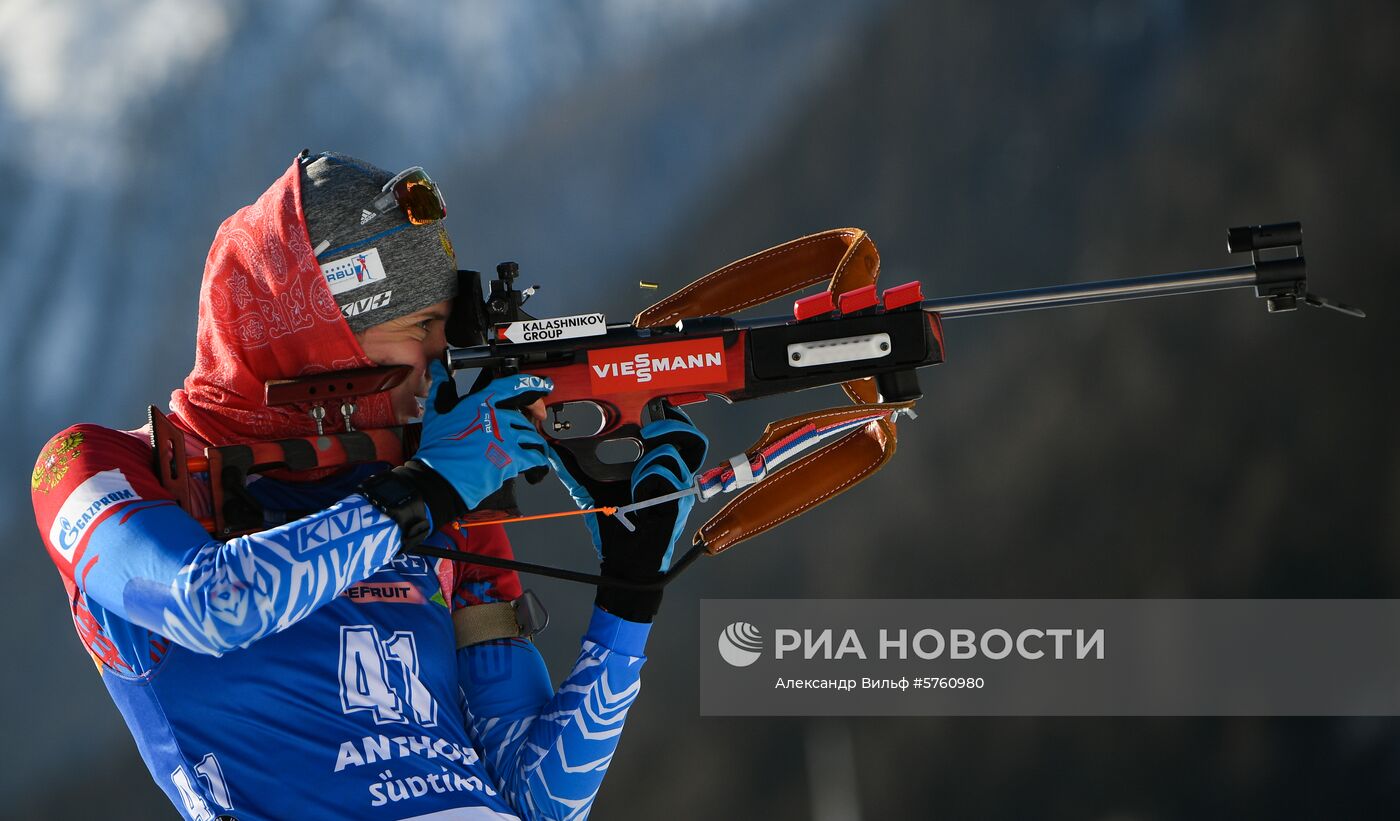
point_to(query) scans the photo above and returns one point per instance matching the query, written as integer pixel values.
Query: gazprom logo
(84, 505)
(740, 644)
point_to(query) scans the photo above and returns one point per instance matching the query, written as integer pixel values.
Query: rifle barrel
(1084, 293)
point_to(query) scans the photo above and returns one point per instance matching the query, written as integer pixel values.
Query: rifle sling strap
(478, 623)
(813, 479)
(485, 622)
(846, 259)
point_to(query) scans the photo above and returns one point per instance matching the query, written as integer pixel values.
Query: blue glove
(478, 442)
(673, 449)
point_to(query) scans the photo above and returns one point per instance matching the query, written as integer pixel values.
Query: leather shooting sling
(846, 259)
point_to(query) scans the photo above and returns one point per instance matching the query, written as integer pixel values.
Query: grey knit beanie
(379, 270)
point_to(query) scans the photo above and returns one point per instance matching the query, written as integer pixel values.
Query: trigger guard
(585, 453)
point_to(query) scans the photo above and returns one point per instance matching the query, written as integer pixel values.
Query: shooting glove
(470, 447)
(672, 451)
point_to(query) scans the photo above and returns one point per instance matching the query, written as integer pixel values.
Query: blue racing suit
(309, 671)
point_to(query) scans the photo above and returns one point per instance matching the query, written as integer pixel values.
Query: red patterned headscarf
(265, 312)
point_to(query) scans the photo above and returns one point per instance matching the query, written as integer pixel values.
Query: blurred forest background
(1195, 447)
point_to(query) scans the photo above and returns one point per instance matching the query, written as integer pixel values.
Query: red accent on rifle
(858, 300)
(910, 293)
(687, 398)
(812, 306)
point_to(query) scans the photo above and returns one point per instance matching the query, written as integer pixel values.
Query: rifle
(610, 379)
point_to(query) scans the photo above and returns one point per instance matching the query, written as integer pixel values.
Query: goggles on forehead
(412, 192)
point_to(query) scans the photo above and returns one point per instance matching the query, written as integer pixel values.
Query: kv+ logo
(740, 644)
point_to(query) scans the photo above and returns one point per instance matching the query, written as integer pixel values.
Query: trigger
(576, 419)
(557, 423)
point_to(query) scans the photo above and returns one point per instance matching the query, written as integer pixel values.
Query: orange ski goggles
(412, 192)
